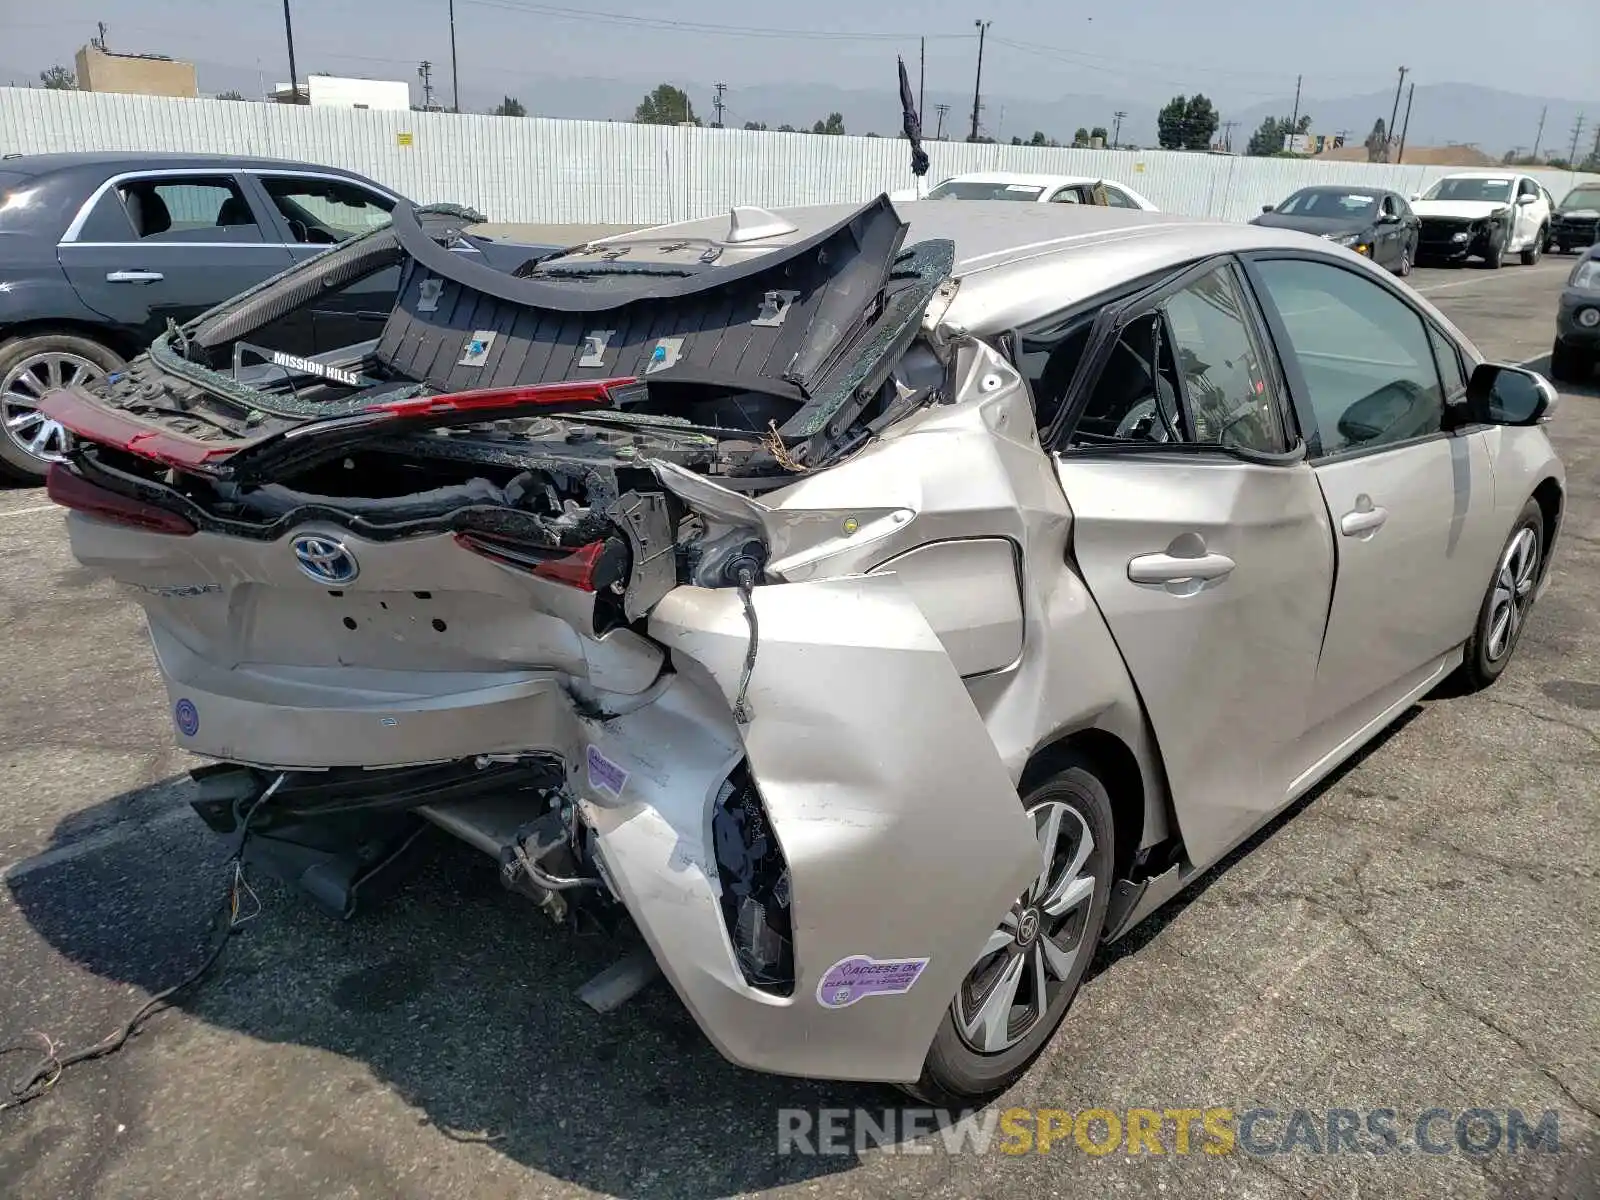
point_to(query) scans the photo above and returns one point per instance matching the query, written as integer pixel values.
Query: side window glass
(1118, 198)
(325, 211)
(189, 210)
(1067, 195)
(1225, 383)
(1450, 366)
(1191, 371)
(108, 221)
(1363, 352)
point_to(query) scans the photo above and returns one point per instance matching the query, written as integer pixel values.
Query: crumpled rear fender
(904, 834)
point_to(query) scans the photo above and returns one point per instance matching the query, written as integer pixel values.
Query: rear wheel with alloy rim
(1026, 974)
(1504, 612)
(1407, 259)
(30, 367)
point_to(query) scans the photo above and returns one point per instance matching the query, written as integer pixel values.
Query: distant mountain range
(1457, 113)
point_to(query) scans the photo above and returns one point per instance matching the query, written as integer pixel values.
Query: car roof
(132, 160)
(1009, 256)
(1503, 173)
(1021, 177)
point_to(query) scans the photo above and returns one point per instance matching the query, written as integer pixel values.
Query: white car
(1483, 214)
(1037, 189)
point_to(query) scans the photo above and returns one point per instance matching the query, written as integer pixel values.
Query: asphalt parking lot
(1418, 933)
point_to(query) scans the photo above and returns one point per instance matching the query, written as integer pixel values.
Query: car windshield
(1587, 196)
(972, 189)
(1327, 202)
(1469, 189)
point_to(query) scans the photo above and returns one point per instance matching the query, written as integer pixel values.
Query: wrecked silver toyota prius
(879, 608)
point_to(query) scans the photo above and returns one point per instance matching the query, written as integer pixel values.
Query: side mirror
(1526, 198)
(1266, 208)
(1388, 218)
(1415, 196)
(1505, 395)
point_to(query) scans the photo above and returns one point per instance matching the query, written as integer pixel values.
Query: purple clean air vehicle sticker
(605, 775)
(851, 978)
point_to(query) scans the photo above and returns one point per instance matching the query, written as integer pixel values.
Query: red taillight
(104, 426)
(588, 568)
(77, 493)
(569, 395)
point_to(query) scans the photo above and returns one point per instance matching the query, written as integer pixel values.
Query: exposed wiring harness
(747, 583)
(44, 1073)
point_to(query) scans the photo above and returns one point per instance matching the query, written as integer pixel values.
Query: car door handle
(134, 276)
(1362, 521)
(1172, 568)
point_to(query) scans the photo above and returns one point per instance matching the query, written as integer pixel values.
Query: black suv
(1575, 224)
(99, 251)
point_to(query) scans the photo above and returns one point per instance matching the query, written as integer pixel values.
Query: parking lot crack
(1591, 734)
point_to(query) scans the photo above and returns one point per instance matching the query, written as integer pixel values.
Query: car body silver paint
(887, 775)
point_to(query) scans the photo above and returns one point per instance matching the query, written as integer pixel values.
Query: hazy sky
(1238, 53)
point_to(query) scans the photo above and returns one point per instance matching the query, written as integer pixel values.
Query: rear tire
(1536, 251)
(29, 366)
(957, 1073)
(1407, 256)
(1507, 602)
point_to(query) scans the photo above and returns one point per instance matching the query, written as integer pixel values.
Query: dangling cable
(747, 583)
(49, 1068)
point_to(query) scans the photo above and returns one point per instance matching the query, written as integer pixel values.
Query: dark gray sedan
(99, 251)
(1577, 345)
(1370, 221)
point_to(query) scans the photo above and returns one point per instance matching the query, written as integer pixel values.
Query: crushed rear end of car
(528, 569)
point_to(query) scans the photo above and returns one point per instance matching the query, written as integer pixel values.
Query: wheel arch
(1551, 499)
(122, 344)
(1118, 768)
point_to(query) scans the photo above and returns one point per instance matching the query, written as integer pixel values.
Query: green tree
(1171, 122)
(1377, 143)
(833, 126)
(666, 105)
(1268, 139)
(509, 107)
(758, 126)
(230, 95)
(1186, 123)
(872, 135)
(59, 79)
(1099, 131)
(1038, 139)
(1080, 136)
(787, 129)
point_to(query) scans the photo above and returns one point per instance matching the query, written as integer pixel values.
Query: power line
(1132, 68)
(716, 103)
(590, 16)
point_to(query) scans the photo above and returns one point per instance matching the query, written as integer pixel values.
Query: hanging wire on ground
(48, 1069)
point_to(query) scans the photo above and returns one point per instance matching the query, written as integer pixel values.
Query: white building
(333, 91)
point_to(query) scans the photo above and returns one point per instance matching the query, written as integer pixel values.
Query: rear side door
(1201, 532)
(1412, 507)
(318, 211)
(160, 246)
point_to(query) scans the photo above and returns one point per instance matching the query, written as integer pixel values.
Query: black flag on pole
(912, 123)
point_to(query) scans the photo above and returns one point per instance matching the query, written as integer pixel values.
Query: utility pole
(100, 41)
(1116, 129)
(1543, 112)
(922, 79)
(294, 80)
(977, 83)
(455, 77)
(1227, 135)
(938, 134)
(1294, 121)
(425, 72)
(716, 104)
(1405, 125)
(1596, 146)
(1577, 132)
(1394, 113)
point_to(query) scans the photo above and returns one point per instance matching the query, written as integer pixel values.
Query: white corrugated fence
(525, 169)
